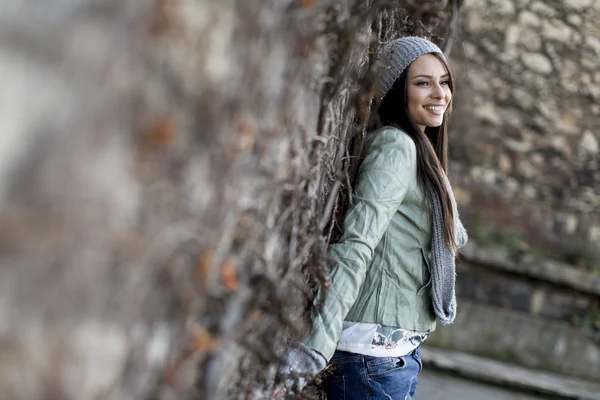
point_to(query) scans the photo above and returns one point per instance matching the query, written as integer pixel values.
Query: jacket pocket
(427, 272)
(426, 259)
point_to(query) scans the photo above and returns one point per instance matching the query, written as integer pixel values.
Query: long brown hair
(432, 145)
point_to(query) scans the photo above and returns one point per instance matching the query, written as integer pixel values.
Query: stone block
(521, 339)
(501, 7)
(514, 292)
(574, 19)
(541, 269)
(537, 62)
(528, 18)
(556, 30)
(542, 9)
(588, 144)
(579, 5)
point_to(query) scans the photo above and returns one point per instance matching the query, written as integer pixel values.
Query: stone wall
(166, 167)
(527, 128)
(520, 339)
(538, 286)
(525, 310)
(159, 161)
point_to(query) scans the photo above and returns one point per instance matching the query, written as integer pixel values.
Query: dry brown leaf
(158, 137)
(308, 3)
(229, 276)
(204, 265)
(202, 340)
(162, 134)
(247, 134)
(163, 17)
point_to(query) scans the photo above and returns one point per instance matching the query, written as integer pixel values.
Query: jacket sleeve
(382, 183)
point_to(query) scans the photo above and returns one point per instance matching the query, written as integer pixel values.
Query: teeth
(435, 108)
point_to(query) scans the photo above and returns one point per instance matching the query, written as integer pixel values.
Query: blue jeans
(360, 377)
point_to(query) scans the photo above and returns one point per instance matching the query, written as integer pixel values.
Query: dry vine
(281, 239)
(334, 156)
(179, 175)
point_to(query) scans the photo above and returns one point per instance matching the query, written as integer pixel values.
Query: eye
(422, 83)
(446, 82)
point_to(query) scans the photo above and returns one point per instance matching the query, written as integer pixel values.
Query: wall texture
(520, 339)
(527, 131)
(525, 310)
(167, 173)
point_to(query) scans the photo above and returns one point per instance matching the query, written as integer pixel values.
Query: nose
(438, 92)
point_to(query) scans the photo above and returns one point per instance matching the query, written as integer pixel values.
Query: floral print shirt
(379, 341)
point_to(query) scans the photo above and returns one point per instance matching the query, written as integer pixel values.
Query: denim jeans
(360, 377)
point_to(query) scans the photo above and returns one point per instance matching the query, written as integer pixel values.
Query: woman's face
(429, 91)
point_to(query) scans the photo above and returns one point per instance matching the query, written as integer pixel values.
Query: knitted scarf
(443, 268)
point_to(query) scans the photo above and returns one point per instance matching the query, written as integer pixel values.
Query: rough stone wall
(527, 128)
(520, 339)
(526, 310)
(534, 285)
(167, 172)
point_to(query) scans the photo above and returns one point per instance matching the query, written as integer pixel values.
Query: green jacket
(380, 272)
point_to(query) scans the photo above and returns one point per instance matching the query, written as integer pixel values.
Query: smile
(435, 109)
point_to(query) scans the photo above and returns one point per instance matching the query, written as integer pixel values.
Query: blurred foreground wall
(167, 173)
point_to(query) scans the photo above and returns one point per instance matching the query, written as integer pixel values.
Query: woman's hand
(299, 360)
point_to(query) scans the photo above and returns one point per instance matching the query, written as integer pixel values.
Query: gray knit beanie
(397, 55)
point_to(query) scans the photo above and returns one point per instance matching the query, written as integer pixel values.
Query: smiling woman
(392, 276)
(429, 92)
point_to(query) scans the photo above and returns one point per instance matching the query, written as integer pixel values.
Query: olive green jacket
(380, 265)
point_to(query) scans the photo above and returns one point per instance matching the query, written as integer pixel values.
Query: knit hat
(397, 55)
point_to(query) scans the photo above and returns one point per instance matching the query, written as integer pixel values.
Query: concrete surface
(496, 373)
(434, 385)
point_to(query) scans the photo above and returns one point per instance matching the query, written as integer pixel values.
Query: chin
(434, 124)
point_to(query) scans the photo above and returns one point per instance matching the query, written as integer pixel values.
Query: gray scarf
(443, 269)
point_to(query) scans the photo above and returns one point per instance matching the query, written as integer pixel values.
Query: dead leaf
(229, 276)
(204, 265)
(162, 134)
(247, 134)
(159, 136)
(308, 3)
(202, 340)
(163, 17)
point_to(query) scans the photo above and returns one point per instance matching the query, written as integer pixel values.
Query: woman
(393, 275)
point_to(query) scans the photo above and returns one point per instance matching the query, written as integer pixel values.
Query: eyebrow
(430, 77)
